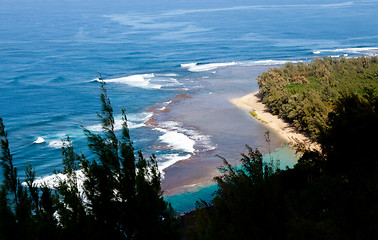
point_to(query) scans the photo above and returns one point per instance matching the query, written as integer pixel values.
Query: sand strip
(252, 102)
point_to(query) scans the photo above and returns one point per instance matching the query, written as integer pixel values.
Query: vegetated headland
(295, 100)
(304, 94)
(331, 192)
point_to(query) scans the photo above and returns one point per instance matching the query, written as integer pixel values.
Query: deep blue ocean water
(148, 52)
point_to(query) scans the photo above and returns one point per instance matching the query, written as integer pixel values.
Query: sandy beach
(209, 113)
(252, 102)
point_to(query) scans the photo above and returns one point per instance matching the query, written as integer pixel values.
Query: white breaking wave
(195, 67)
(56, 144)
(167, 74)
(358, 50)
(188, 65)
(176, 140)
(52, 181)
(164, 105)
(139, 117)
(117, 126)
(146, 81)
(167, 160)
(138, 80)
(134, 120)
(39, 140)
(183, 139)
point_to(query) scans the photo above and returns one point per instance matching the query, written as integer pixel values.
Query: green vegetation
(304, 94)
(327, 195)
(253, 114)
(115, 197)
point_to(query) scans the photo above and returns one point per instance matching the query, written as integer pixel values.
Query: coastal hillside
(329, 194)
(116, 195)
(304, 94)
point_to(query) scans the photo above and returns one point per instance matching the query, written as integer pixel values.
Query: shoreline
(209, 112)
(253, 104)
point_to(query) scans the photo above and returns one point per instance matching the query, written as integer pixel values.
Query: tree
(329, 194)
(112, 195)
(246, 204)
(347, 137)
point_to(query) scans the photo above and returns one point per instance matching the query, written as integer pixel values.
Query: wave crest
(195, 67)
(134, 120)
(138, 80)
(370, 51)
(39, 140)
(146, 81)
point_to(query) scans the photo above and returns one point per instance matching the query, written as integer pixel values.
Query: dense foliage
(112, 196)
(327, 195)
(304, 94)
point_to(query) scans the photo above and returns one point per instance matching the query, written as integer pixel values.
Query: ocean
(172, 64)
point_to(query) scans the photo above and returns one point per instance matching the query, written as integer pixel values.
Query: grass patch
(253, 114)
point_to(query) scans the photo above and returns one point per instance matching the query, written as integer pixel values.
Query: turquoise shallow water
(187, 201)
(148, 53)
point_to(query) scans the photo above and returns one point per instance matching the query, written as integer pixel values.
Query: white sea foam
(52, 181)
(56, 144)
(202, 141)
(167, 74)
(117, 126)
(139, 117)
(358, 50)
(183, 139)
(167, 160)
(168, 82)
(138, 80)
(176, 140)
(146, 81)
(188, 65)
(194, 67)
(39, 140)
(95, 128)
(134, 120)
(164, 105)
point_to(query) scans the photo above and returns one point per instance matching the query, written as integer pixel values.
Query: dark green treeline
(304, 94)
